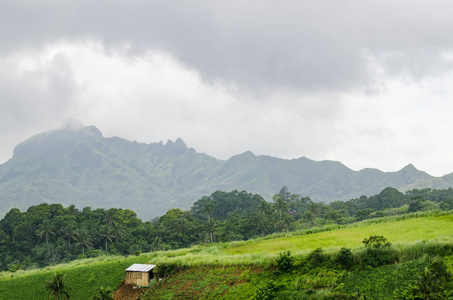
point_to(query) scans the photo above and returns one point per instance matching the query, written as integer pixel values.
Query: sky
(367, 83)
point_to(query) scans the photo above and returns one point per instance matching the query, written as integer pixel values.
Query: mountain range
(77, 165)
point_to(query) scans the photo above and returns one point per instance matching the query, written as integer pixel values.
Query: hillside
(237, 270)
(77, 165)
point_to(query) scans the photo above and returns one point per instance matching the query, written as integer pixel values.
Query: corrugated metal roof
(140, 268)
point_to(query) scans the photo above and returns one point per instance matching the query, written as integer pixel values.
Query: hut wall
(137, 278)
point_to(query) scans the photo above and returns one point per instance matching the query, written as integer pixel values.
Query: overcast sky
(367, 83)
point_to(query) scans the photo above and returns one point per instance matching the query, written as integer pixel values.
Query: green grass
(401, 231)
(209, 283)
(85, 277)
(230, 270)
(379, 283)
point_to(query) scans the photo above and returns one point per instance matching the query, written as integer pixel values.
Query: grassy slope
(236, 262)
(84, 276)
(404, 231)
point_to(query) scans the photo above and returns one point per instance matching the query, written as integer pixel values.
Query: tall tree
(83, 239)
(45, 229)
(106, 234)
(68, 230)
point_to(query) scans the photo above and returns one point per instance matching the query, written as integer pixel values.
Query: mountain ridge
(77, 165)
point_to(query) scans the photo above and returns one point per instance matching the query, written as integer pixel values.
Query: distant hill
(77, 165)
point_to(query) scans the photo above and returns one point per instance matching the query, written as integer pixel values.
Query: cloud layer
(363, 82)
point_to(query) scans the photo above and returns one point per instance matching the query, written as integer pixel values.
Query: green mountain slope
(77, 165)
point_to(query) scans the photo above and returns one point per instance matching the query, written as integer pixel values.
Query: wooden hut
(139, 274)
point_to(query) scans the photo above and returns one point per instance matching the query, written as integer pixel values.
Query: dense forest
(49, 234)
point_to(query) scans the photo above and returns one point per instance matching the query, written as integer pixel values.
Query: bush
(345, 258)
(316, 258)
(266, 291)
(376, 242)
(164, 269)
(285, 261)
(377, 252)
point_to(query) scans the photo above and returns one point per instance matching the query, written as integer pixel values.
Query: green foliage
(345, 258)
(363, 214)
(57, 287)
(342, 296)
(285, 261)
(84, 277)
(221, 204)
(416, 205)
(266, 291)
(376, 251)
(381, 282)
(316, 258)
(164, 269)
(376, 242)
(104, 294)
(434, 282)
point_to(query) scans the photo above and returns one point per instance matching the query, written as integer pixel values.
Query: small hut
(139, 274)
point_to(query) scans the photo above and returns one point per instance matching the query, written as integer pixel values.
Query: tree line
(49, 234)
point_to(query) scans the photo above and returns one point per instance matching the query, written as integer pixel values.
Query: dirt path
(127, 292)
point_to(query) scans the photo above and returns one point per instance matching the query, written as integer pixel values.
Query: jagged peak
(178, 142)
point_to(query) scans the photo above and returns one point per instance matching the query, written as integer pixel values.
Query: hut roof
(140, 268)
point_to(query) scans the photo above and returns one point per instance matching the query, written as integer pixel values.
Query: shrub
(284, 261)
(266, 291)
(345, 258)
(316, 258)
(377, 253)
(164, 269)
(377, 242)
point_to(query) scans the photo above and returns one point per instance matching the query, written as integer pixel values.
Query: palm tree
(83, 239)
(280, 205)
(68, 230)
(208, 209)
(45, 229)
(118, 233)
(429, 285)
(157, 244)
(309, 218)
(106, 234)
(264, 208)
(110, 217)
(211, 226)
(182, 225)
(58, 289)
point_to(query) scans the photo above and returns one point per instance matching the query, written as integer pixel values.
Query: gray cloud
(343, 80)
(258, 45)
(36, 97)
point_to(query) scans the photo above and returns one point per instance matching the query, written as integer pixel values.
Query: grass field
(230, 270)
(401, 231)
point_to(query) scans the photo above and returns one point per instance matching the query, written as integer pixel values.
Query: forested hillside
(48, 234)
(77, 166)
(401, 257)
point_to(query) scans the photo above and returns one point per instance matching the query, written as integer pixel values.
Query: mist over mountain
(77, 165)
